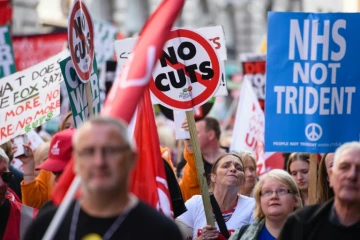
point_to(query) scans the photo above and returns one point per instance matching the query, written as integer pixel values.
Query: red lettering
(253, 141)
(21, 123)
(216, 42)
(7, 131)
(50, 96)
(28, 120)
(21, 108)
(9, 114)
(254, 67)
(36, 102)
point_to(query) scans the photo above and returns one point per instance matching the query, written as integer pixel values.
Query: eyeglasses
(108, 152)
(279, 192)
(6, 176)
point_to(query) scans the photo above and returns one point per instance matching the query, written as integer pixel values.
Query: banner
(130, 85)
(30, 50)
(312, 87)
(248, 134)
(254, 70)
(30, 98)
(7, 63)
(77, 94)
(105, 35)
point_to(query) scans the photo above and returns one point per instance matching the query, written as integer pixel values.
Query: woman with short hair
(276, 195)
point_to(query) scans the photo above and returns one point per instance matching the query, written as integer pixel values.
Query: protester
(324, 191)
(250, 173)
(276, 195)
(14, 189)
(103, 159)
(337, 218)
(14, 217)
(40, 155)
(67, 122)
(298, 166)
(227, 176)
(208, 131)
(37, 190)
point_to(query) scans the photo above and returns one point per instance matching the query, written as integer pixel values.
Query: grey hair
(102, 120)
(346, 146)
(4, 157)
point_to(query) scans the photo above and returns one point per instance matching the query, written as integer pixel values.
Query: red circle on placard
(84, 76)
(210, 87)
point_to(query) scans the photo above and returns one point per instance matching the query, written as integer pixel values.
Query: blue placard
(312, 82)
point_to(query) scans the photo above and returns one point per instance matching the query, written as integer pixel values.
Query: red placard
(30, 50)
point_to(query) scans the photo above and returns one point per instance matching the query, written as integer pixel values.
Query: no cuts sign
(189, 72)
(81, 39)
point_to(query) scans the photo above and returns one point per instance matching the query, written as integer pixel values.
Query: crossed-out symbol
(313, 131)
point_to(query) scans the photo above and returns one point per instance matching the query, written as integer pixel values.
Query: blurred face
(229, 173)
(299, 170)
(203, 134)
(345, 177)
(102, 158)
(3, 186)
(278, 204)
(329, 162)
(69, 123)
(250, 173)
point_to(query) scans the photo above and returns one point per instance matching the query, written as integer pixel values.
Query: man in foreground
(104, 157)
(338, 218)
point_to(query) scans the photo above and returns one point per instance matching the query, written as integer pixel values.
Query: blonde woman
(276, 196)
(250, 174)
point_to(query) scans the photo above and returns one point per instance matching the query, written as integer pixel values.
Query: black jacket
(313, 222)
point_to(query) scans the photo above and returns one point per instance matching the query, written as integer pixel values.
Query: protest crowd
(129, 148)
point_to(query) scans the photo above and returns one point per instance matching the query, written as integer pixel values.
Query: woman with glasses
(235, 210)
(276, 196)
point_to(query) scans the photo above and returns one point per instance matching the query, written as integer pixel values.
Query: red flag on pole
(149, 180)
(130, 85)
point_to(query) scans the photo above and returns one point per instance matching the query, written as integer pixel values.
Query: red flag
(129, 87)
(5, 12)
(149, 180)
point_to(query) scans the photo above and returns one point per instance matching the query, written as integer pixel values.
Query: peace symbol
(313, 131)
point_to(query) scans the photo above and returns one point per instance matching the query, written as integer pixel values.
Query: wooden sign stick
(200, 168)
(313, 179)
(89, 99)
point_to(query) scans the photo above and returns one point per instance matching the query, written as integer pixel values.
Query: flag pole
(200, 169)
(313, 179)
(62, 210)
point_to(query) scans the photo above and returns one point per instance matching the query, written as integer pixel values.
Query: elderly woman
(250, 174)
(276, 196)
(298, 166)
(227, 177)
(324, 191)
